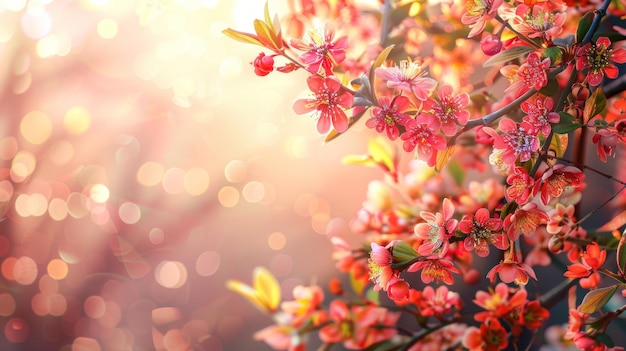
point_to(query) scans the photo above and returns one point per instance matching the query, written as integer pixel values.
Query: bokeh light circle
(25, 270)
(171, 274)
(16, 330)
(208, 263)
(57, 269)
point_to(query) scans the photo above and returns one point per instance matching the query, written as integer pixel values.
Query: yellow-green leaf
(443, 157)
(268, 19)
(267, 287)
(558, 144)
(356, 284)
(594, 105)
(264, 292)
(595, 299)
(266, 35)
(361, 160)
(382, 153)
(380, 60)
(243, 37)
(621, 254)
(507, 55)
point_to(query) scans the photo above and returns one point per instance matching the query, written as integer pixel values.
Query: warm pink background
(175, 95)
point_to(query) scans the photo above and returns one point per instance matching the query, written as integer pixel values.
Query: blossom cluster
(488, 98)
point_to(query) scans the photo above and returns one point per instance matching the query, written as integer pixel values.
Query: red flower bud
(491, 44)
(580, 92)
(263, 65)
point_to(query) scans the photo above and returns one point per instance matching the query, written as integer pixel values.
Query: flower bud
(263, 65)
(472, 277)
(491, 44)
(335, 286)
(555, 245)
(402, 252)
(580, 92)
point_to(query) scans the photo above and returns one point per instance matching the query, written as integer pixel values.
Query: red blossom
(599, 59)
(263, 65)
(329, 99)
(524, 220)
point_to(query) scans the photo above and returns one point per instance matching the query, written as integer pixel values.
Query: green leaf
(551, 88)
(377, 63)
(558, 144)
(386, 345)
(508, 207)
(605, 339)
(373, 296)
(567, 124)
(457, 172)
(583, 26)
(356, 285)
(621, 254)
(507, 55)
(554, 53)
(595, 104)
(595, 299)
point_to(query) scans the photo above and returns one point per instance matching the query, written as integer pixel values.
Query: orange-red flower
(435, 269)
(482, 231)
(558, 178)
(511, 270)
(490, 337)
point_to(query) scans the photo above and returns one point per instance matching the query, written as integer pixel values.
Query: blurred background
(142, 164)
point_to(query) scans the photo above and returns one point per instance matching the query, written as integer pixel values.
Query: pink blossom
(478, 13)
(531, 74)
(511, 270)
(408, 78)
(321, 49)
(540, 115)
(329, 99)
(390, 115)
(446, 111)
(436, 231)
(538, 22)
(517, 140)
(421, 137)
